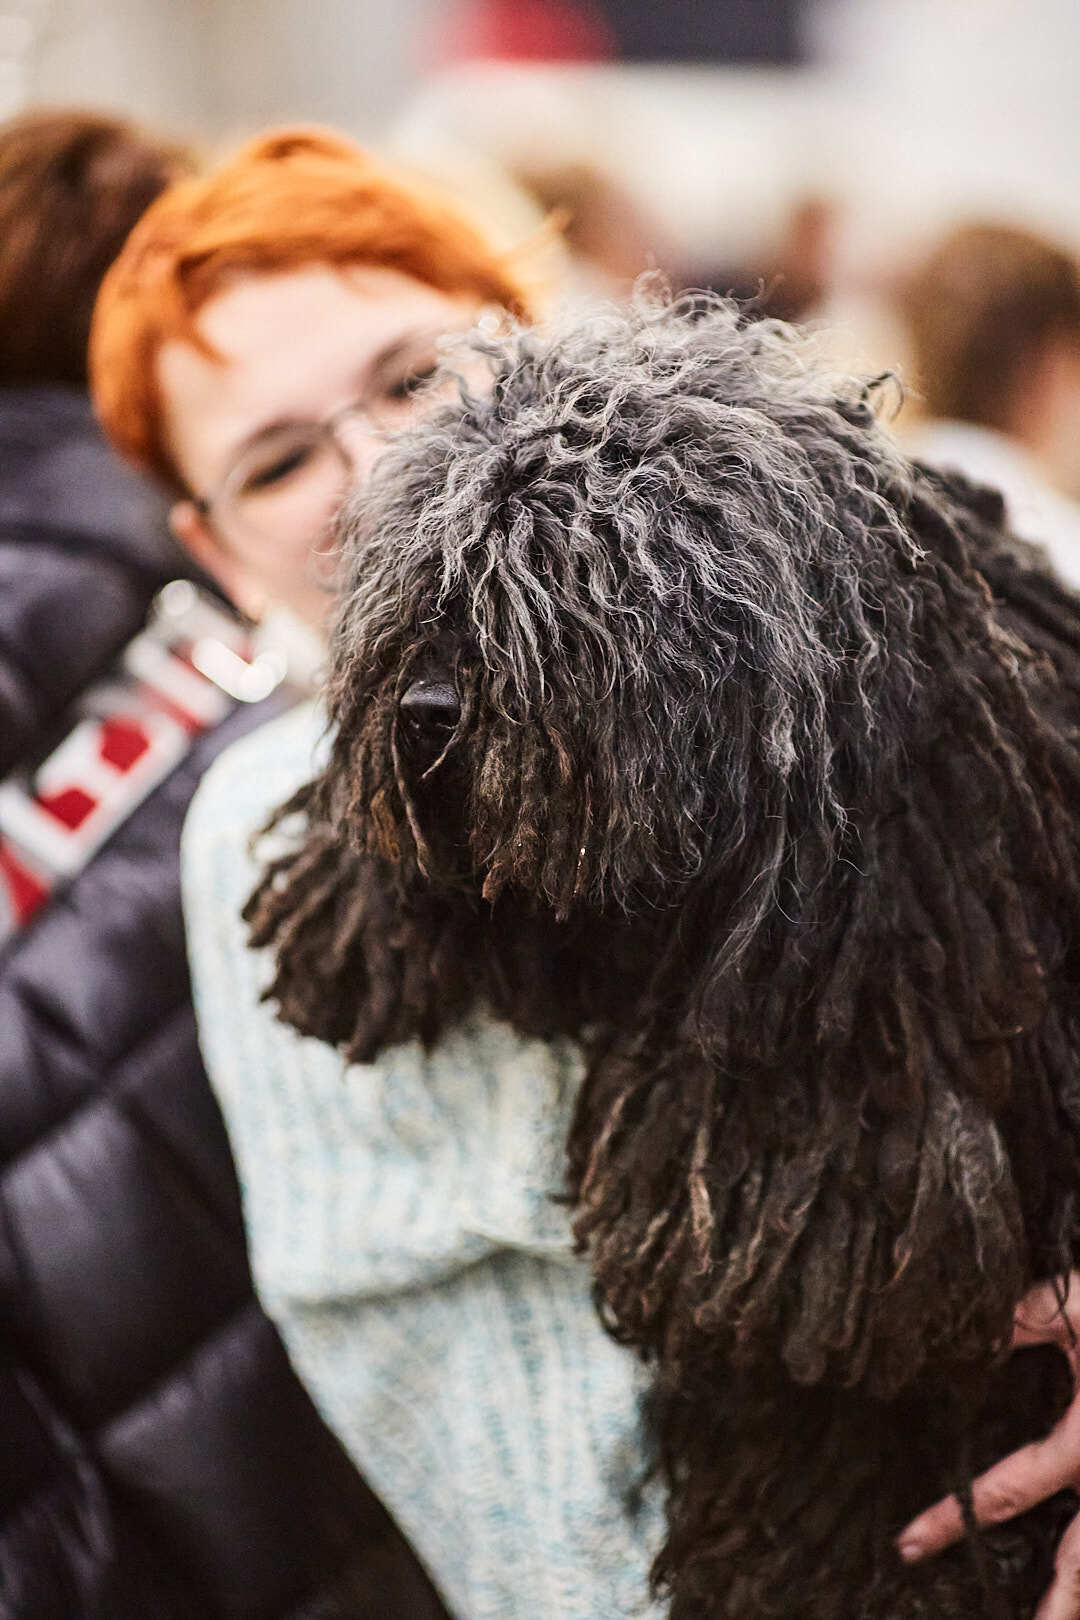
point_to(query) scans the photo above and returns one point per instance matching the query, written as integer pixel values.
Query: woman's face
(317, 365)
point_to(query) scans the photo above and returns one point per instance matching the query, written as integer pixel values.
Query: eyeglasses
(289, 483)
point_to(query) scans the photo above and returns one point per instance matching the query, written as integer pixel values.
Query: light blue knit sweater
(404, 1238)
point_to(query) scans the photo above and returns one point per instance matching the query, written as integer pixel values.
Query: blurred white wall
(946, 107)
(349, 63)
(141, 57)
(217, 68)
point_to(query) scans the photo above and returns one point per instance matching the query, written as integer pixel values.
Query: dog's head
(618, 621)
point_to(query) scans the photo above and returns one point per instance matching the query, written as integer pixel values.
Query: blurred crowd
(200, 354)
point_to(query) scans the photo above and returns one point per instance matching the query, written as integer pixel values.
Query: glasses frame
(326, 430)
(489, 319)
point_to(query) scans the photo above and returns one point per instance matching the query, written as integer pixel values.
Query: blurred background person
(157, 1454)
(993, 314)
(71, 187)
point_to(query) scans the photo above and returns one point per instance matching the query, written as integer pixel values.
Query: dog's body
(674, 712)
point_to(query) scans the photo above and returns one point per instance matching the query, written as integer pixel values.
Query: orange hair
(290, 199)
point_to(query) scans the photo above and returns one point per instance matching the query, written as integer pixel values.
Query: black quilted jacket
(158, 1458)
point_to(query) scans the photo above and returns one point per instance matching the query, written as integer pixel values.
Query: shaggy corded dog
(674, 711)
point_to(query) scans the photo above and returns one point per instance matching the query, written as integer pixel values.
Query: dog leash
(185, 671)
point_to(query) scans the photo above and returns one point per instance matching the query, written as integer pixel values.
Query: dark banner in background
(737, 31)
(743, 33)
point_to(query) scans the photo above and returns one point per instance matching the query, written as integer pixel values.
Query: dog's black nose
(433, 705)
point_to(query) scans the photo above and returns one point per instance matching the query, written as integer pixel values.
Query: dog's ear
(358, 962)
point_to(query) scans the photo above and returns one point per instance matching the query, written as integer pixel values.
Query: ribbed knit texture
(405, 1237)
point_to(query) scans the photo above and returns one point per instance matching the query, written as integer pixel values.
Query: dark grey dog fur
(678, 711)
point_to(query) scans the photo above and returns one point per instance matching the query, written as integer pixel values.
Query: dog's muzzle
(431, 708)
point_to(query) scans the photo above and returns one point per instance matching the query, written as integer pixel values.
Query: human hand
(1033, 1473)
